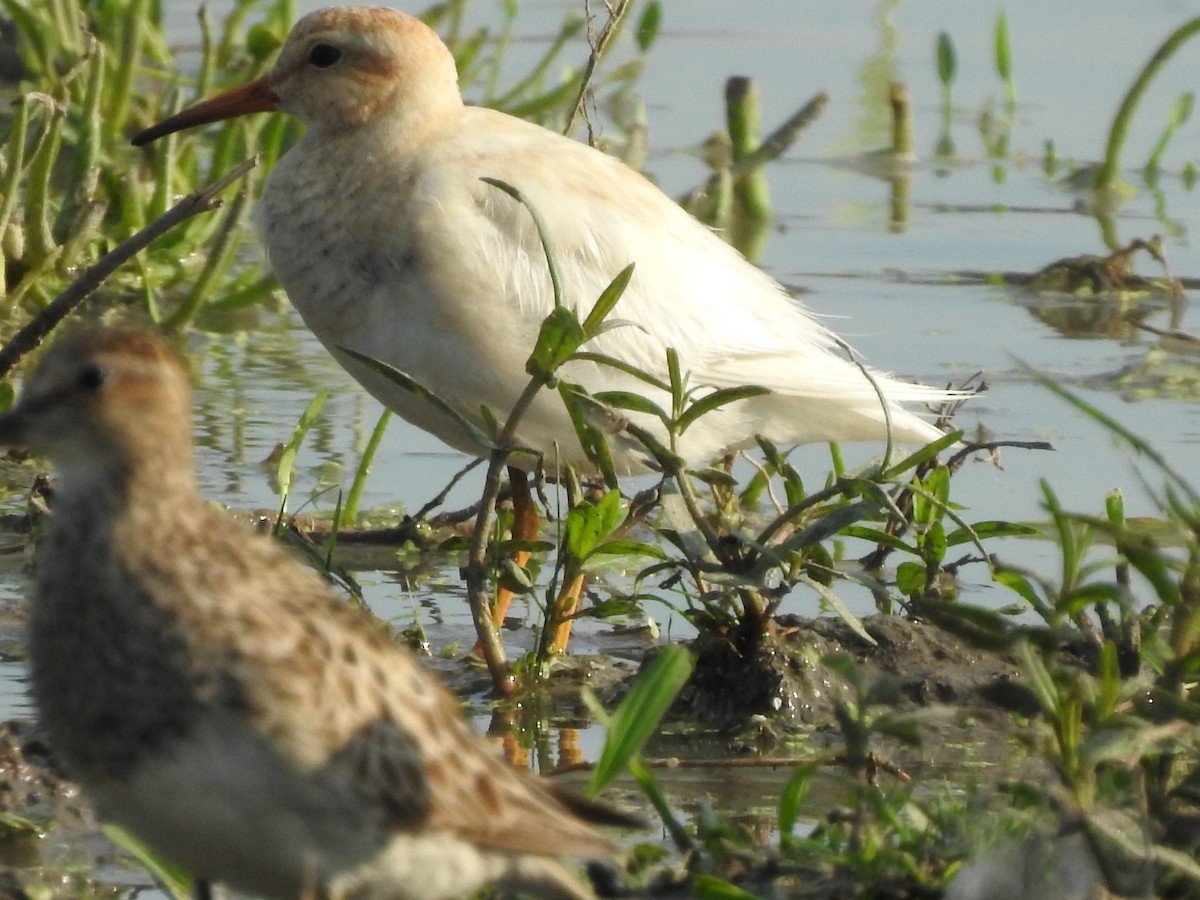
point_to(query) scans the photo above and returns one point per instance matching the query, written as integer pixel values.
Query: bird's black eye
(324, 55)
(91, 377)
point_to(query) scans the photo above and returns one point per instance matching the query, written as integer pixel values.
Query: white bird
(387, 240)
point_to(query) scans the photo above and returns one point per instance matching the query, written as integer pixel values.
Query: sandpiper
(388, 243)
(214, 697)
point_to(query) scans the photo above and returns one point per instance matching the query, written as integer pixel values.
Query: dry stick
(29, 337)
(770, 149)
(441, 497)
(738, 762)
(616, 12)
(983, 446)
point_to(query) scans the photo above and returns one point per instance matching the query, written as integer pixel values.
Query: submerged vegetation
(1103, 657)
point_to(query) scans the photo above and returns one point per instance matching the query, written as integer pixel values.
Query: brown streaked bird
(389, 243)
(216, 699)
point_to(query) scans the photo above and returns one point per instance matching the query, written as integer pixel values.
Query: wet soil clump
(783, 675)
(761, 698)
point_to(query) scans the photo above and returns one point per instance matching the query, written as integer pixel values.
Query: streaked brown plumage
(215, 698)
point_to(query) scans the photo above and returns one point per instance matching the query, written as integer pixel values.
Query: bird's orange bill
(256, 96)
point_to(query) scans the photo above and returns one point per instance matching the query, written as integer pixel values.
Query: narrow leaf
(287, 459)
(636, 719)
(633, 402)
(990, 529)
(591, 439)
(542, 230)
(172, 880)
(620, 365)
(607, 300)
(839, 608)
(648, 25)
(925, 453)
(1040, 682)
(715, 400)
(402, 380)
(947, 59)
(1003, 47)
(793, 796)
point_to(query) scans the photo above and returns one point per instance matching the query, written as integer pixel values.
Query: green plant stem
(121, 87)
(41, 325)
(354, 498)
(1107, 173)
(219, 256)
(476, 568)
(39, 238)
(565, 34)
(12, 175)
(902, 143)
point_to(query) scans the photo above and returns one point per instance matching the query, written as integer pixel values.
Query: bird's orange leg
(565, 606)
(524, 528)
(569, 752)
(504, 723)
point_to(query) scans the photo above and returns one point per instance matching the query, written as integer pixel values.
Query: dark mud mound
(781, 674)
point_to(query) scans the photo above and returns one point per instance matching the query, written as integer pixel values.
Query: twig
(740, 762)
(441, 497)
(772, 147)
(979, 447)
(1171, 334)
(616, 12)
(29, 337)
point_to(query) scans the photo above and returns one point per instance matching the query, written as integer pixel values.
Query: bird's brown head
(105, 398)
(339, 68)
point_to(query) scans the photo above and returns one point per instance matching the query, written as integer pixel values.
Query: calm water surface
(885, 281)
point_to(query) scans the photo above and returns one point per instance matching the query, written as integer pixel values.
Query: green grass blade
(414, 387)
(543, 233)
(1138, 443)
(710, 887)
(640, 712)
(834, 602)
(287, 459)
(947, 59)
(717, 399)
(607, 300)
(354, 497)
(170, 879)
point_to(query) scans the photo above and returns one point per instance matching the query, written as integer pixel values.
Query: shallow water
(886, 286)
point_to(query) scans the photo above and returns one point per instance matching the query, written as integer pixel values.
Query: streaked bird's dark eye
(324, 55)
(91, 377)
